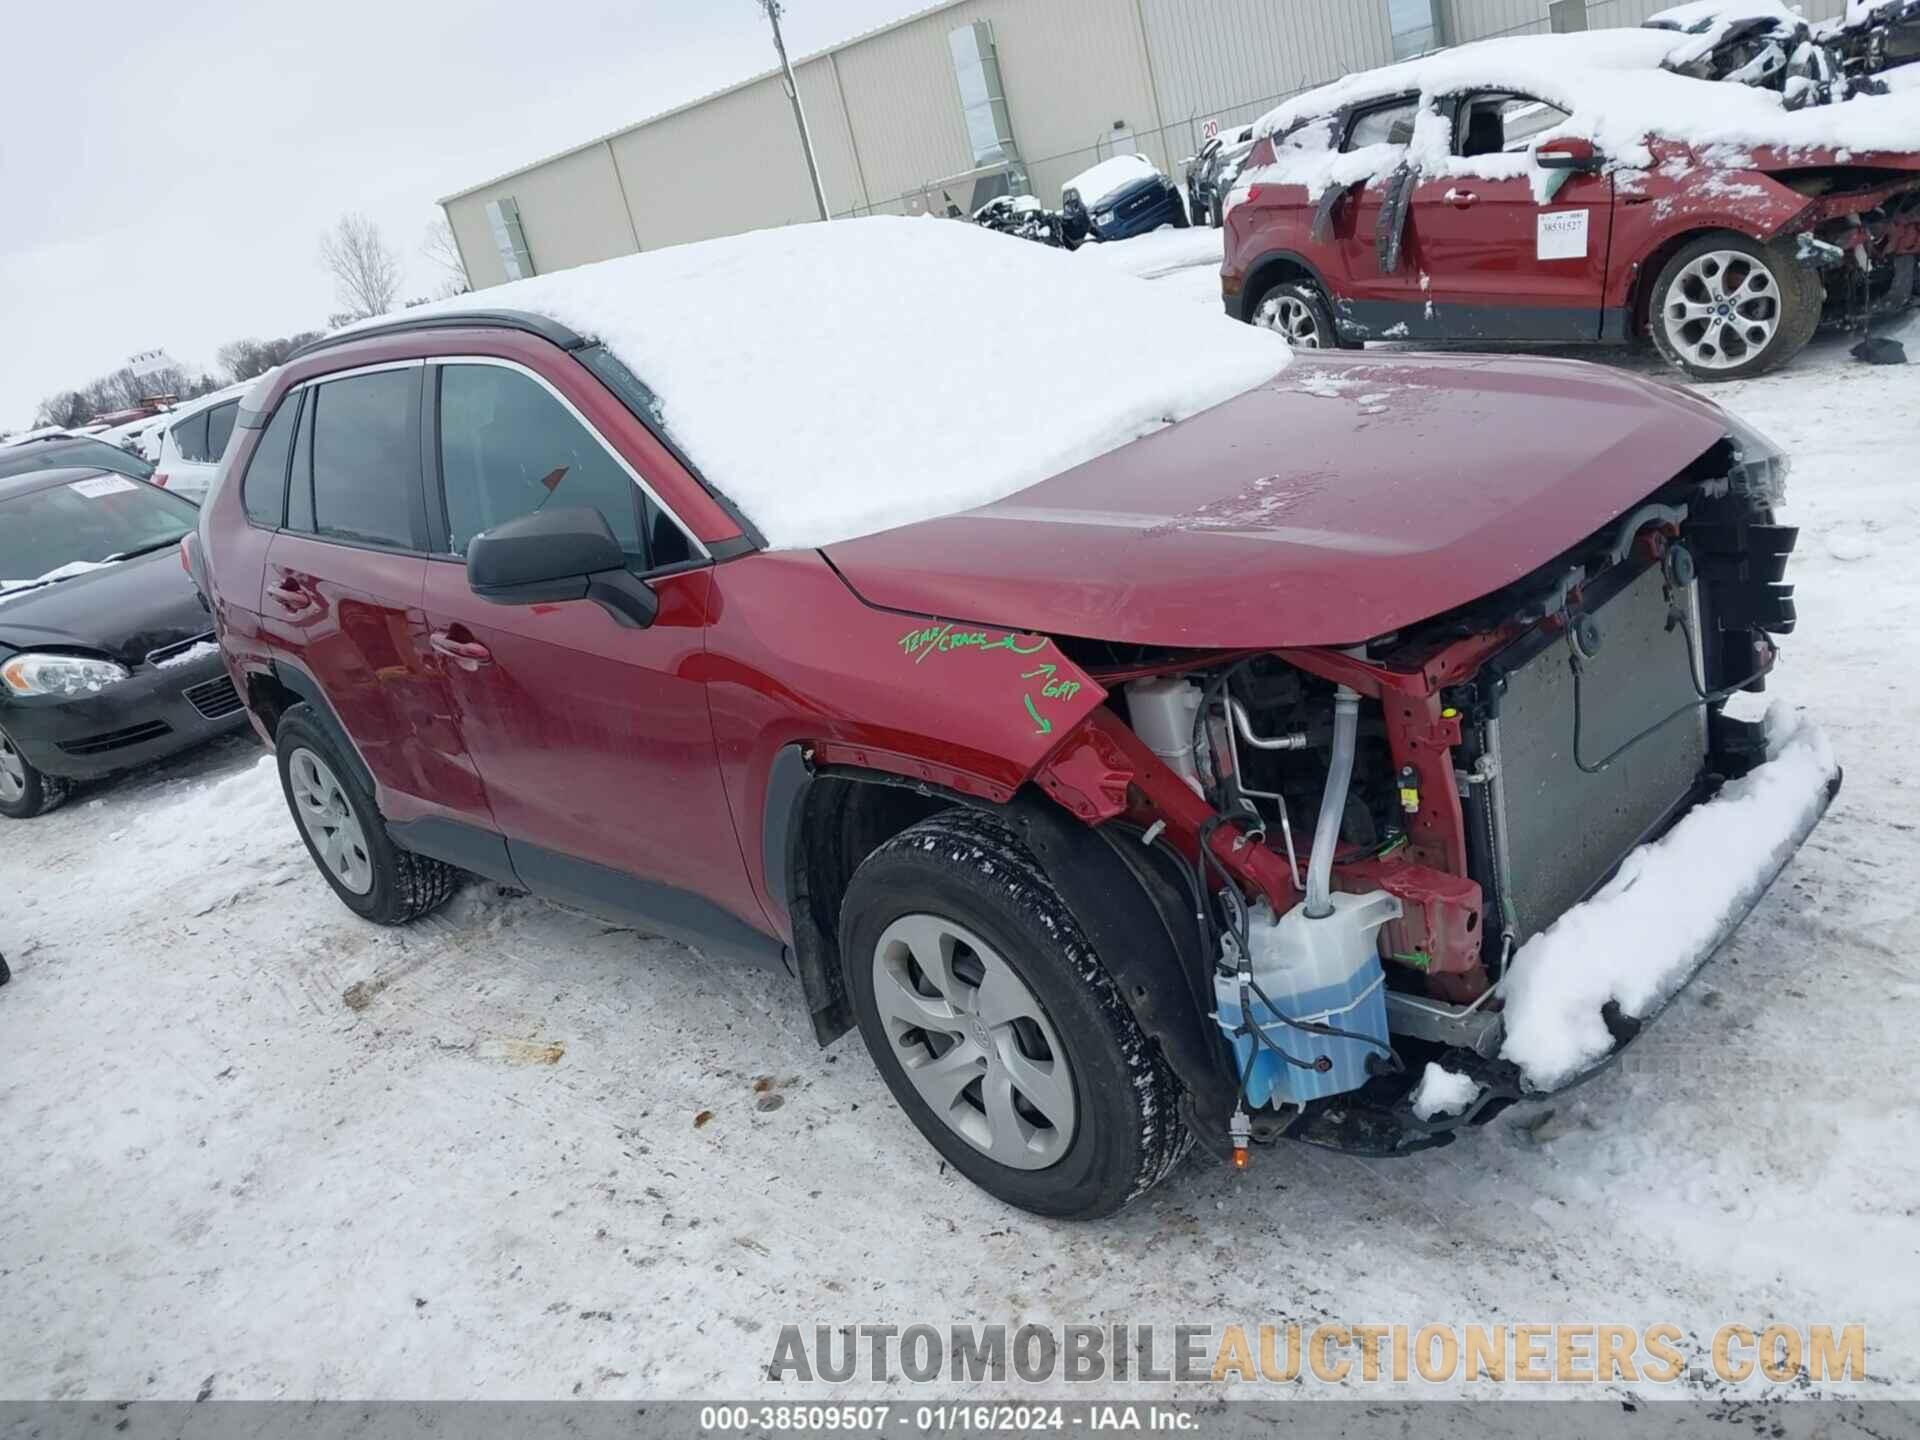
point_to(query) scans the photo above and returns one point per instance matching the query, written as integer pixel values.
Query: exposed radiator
(1564, 829)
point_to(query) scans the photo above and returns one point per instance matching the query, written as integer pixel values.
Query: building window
(1416, 27)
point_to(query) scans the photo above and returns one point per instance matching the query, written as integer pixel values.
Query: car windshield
(59, 454)
(85, 522)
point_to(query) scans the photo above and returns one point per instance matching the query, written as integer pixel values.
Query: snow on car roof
(1701, 17)
(835, 380)
(1611, 84)
(1100, 183)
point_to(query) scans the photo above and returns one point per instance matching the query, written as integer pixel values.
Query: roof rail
(551, 330)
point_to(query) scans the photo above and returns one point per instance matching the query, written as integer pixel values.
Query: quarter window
(1389, 124)
(366, 457)
(509, 447)
(220, 429)
(264, 490)
(190, 437)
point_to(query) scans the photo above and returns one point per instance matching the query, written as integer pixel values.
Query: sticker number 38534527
(1561, 235)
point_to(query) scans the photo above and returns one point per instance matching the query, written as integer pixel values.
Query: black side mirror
(555, 555)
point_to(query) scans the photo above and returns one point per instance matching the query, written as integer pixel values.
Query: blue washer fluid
(1324, 971)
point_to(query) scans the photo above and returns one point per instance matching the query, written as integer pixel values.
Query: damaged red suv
(1134, 758)
(1566, 189)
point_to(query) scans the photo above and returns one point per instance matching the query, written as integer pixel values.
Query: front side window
(263, 490)
(1502, 123)
(509, 447)
(366, 457)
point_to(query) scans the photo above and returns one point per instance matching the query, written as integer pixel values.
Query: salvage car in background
(1120, 198)
(192, 441)
(1760, 43)
(65, 452)
(106, 653)
(1004, 764)
(1875, 36)
(1566, 188)
(1211, 173)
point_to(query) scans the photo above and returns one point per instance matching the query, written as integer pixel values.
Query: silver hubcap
(974, 1041)
(1722, 310)
(327, 816)
(13, 771)
(1292, 317)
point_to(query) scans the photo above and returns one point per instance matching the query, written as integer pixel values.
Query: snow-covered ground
(254, 1144)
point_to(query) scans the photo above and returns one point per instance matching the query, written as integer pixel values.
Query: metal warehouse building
(959, 102)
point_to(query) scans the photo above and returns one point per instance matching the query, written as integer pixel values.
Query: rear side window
(366, 457)
(220, 428)
(264, 489)
(508, 447)
(1389, 124)
(190, 437)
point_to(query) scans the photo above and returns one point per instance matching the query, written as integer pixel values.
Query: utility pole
(773, 8)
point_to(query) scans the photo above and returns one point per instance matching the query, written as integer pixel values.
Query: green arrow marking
(1046, 725)
(1046, 670)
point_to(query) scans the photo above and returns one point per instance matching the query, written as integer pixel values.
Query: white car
(193, 440)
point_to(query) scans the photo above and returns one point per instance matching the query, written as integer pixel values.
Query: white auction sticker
(102, 485)
(1561, 235)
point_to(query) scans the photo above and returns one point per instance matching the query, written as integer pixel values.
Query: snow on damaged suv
(1269, 747)
(1566, 188)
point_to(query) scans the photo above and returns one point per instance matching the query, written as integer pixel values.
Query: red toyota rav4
(1565, 188)
(1222, 785)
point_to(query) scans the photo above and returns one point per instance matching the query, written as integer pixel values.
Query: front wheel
(1300, 313)
(1726, 307)
(25, 789)
(997, 1028)
(343, 831)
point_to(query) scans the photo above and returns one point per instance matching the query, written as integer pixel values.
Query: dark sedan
(61, 452)
(107, 657)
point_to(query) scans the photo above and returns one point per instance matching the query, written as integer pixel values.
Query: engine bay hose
(1333, 804)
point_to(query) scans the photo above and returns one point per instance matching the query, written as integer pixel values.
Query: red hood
(1347, 498)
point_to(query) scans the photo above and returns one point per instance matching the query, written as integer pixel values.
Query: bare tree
(366, 274)
(444, 251)
(245, 359)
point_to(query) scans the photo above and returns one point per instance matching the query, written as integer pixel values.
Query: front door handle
(1460, 199)
(470, 653)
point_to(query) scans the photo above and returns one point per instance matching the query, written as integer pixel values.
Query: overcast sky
(166, 181)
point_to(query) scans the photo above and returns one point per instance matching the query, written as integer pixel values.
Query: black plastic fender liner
(1143, 931)
(1131, 906)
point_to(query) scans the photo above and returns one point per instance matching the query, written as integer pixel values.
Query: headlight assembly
(67, 676)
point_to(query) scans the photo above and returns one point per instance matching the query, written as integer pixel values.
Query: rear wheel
(26, 790)
(343, 831)
(1300, 313)
(1726, 307)
(996, 1026)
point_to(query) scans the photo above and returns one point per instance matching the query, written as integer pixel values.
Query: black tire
(1181, 220)
(967, 868)
(39, 792)
(405, 886)
(5, 973)
(1802, 296)
(1306, 296)
(1216, 214)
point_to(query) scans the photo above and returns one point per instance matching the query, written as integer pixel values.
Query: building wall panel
(570, 209)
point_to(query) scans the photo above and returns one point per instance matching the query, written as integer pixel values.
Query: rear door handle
(1460, 199)
(470, 653)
